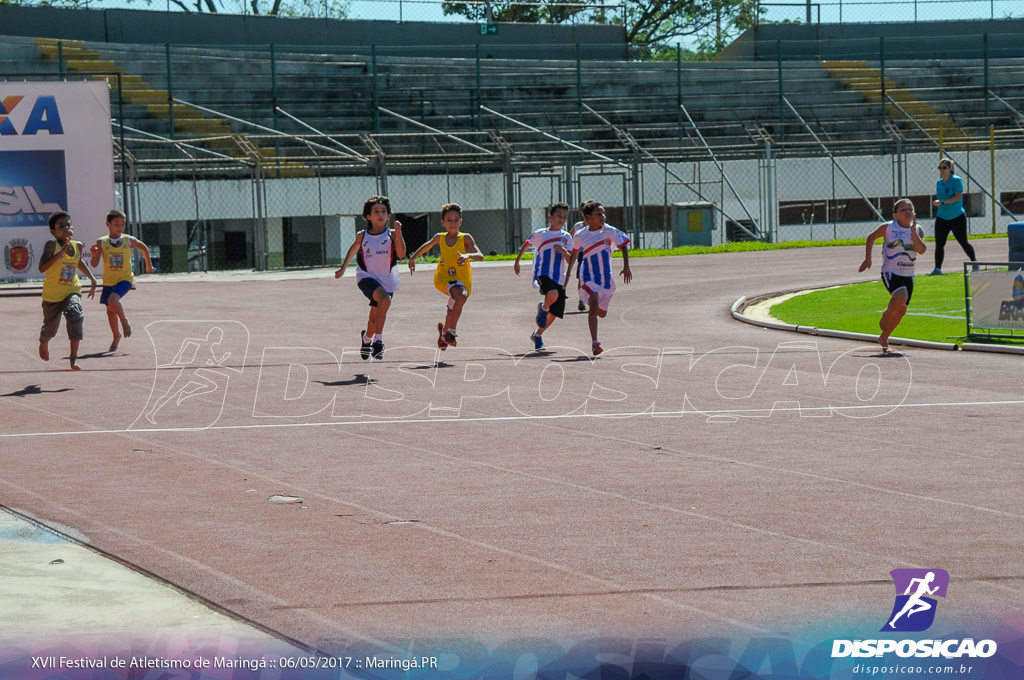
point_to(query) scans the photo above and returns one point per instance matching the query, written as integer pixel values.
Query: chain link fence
(701, 163)
(868, 11)
(244, 220)
(263, 158)
(794, 11)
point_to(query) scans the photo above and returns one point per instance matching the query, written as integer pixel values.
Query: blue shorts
(368, 286)
(121, 288)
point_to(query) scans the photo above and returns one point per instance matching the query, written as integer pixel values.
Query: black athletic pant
(957, 225)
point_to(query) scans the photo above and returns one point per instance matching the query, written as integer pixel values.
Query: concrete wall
(921, 40)
(407, 39)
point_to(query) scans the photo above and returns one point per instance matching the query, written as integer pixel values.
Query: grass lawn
(937, 311)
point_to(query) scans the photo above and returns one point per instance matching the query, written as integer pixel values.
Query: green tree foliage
(709, 23)
(321, 9)
(539, 12)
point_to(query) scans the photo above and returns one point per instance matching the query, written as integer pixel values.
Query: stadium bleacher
(533, 107)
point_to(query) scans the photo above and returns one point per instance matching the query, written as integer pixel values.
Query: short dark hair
(556, 206)
(376, 200)
(450, 207)
(589, 207)
(114, 214)
(56, 216)
(902, 201)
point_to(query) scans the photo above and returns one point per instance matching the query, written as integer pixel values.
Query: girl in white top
(903, 241)
(377, 250)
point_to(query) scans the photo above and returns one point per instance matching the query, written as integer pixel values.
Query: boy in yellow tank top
(60, 262)
(453, 275)
(115, 249)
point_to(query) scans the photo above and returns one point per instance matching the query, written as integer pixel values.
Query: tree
(527, 12)
(711, 23)
(320, 9)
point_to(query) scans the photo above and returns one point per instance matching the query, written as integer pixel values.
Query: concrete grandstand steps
(334, 93)
(867, 80)
(157, 102)
(193, 60)
(20, 56)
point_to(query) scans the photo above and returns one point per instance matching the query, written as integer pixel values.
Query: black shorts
(548, 284)
(893, 282)
(368, 286)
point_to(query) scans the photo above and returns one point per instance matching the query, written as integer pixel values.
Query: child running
(453, 276)
(377, 250)
(552, 249)
(902, 242)
(115, 249)
(593, 246)
(61, 261)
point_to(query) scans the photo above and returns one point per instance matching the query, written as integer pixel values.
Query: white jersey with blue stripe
(594, 249)
(546, 260)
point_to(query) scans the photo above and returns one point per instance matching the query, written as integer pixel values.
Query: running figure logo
(915, 605)
(195, 361)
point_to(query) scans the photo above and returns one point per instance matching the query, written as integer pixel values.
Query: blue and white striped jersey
(594, 249)
(546, 260)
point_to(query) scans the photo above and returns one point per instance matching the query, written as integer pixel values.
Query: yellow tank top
(117, 261)
(62, 277)
(448, 267)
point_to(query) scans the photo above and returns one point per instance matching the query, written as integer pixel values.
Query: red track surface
(426, 515)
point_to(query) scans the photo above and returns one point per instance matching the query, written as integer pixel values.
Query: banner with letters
(997, 299)
(56, 153)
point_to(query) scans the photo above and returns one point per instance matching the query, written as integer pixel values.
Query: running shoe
(365, 349)
(597, 348)
(542, 316)
(450, 339)
(378, 350)
(582, 307)
(538, 341)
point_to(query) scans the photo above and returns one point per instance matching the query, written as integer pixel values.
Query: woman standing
(949, 215)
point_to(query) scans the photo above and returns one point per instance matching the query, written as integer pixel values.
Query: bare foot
(113, 345)
(127, 329)
(44, 351)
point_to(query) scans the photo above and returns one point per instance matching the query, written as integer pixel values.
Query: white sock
(378, 337)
